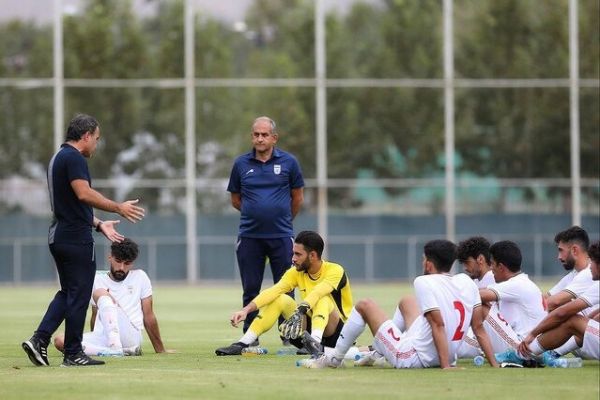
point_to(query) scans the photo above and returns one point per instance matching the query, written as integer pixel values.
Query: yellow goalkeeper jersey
(331, 280)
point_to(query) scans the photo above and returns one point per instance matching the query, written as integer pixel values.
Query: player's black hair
(79, 125)
(311, 241)
(126, 251)
(442, 253)
(507, 253)
(574, 235)
(473, 247)
(594, 252)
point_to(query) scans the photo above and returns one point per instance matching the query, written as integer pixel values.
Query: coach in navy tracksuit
(71, 243)
(266, 185)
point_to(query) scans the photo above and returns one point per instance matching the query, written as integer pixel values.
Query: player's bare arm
(438, 332)
(558, 299)
(93, 317)
(151, 325)
(552, 320)
(487, 295)
(482, 337)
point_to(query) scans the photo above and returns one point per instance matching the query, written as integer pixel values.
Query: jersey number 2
(458, 334)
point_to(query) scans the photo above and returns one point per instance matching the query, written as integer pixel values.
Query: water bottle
(567, 362)
(478, 361)
(287, 351)
(254, 351)
(302, 362)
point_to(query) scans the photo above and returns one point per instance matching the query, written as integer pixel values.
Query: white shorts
(591, 341)
(501, 334)
(396, 346)
(130, 335)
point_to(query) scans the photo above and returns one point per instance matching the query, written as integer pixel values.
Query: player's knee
(363, 306)
(99, 293)
(59, 342)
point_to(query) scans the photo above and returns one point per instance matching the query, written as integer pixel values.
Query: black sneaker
(79, 360)
(235, 349)
(37, 351)
(313, 346)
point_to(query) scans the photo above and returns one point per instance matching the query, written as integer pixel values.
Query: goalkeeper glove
(292, 327)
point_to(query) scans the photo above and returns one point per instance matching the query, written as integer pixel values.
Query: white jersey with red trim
(454, 297)
(487, 280)
(520, 302)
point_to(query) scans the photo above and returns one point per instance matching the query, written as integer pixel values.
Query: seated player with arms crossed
(326, 301)
(121, 308)
(564, 323)
(419, 339)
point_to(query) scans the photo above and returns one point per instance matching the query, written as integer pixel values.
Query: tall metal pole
(58, 75)
(449, 120)
(321, 99)
(574, 108)
(190, 145)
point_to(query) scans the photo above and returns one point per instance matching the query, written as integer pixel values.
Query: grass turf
(194, 321)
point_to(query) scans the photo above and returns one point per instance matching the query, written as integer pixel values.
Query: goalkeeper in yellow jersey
(326, 301)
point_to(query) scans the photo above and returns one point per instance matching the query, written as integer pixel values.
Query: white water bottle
(254, 351)
(567, 362)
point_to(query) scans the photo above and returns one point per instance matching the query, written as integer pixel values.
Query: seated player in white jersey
(474, 254)
(566, 323)
(572, 247)
(449, 304)
(520, 301)
(121, 308)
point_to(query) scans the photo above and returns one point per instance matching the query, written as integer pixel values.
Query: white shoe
(368, 358)
(324, 361)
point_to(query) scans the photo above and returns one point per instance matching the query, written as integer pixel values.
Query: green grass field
(194, 321)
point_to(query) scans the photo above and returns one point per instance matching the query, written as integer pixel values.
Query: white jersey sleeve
(424, 293)
(562, 283)
(145, 285)
(592, 295)
(580, 283)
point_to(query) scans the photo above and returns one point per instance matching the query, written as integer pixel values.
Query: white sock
(568, 347)
(536, 348)
(249, 337)
(107, 310)
(398, 320)
(353, 327)
(352, 353)
(317, 334)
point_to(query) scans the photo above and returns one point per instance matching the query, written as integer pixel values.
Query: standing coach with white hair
(267, 187)
(72, 200)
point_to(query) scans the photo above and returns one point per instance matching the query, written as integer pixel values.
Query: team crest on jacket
(277, 169)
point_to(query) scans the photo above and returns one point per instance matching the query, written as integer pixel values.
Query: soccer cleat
(80, 360)
(313, 347)
(509, 356)
(324, 361)
(37, 351)
(549, 358)
(368, 359)
(234, 349)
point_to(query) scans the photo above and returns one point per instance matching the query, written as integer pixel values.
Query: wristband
(98, 226)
